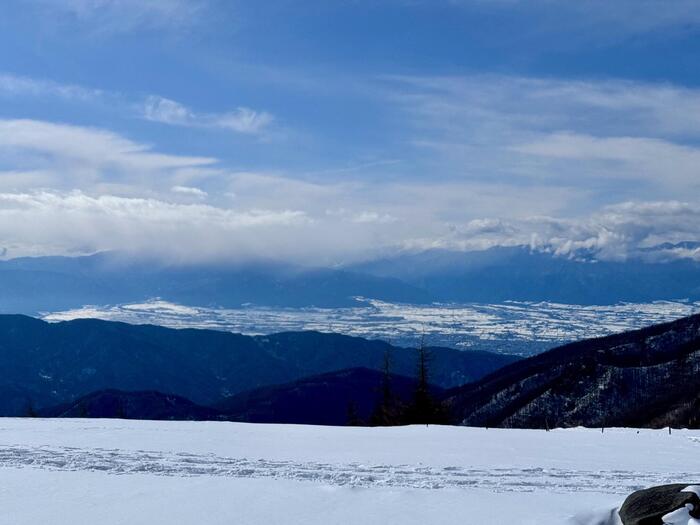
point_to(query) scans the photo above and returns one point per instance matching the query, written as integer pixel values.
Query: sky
(331, 131)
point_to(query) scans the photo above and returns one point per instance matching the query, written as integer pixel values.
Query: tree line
(422, 409)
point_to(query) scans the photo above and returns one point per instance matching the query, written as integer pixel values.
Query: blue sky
(329, 131)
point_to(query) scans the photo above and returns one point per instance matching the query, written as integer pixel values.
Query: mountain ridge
(645, 377)
(495, 275)
(50, 363)
(521, 274)
(120, 404)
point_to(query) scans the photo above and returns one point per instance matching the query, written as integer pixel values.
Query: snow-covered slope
(112, 471)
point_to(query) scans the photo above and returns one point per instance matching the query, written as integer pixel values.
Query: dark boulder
(648, 506)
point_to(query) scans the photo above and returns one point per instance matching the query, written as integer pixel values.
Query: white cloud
(616, 232)
(84, 157)
(189, 190)
(518, 130)
(136, 197)
(50, 222)
(241, 120)
(661, 162)
(154, 108)
(374, 217)
(91, 145)
(624, 230)
(15, 85)
(611, 107)
(45, 221)
(159, 109)
(244, 120)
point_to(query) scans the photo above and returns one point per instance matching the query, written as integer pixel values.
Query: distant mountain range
(33, 285)
(520, 274)
(648, 377)
(50, 364)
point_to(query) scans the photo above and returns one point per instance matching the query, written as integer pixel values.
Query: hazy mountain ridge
(44, 284)
(521, 274)
(647, 377)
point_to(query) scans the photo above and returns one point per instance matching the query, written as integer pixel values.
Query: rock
(651, 506)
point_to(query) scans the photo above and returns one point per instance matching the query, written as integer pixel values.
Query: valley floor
(115, 471)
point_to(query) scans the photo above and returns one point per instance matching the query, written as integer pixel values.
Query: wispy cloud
(190, 190)
(154, 108)
(119, 16)
(663, 163)
(240, 120)
(15, 85)
(540, 104)
(517, 129)
(85, 157)
(596, 18)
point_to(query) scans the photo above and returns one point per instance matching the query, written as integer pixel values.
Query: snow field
(115, 471)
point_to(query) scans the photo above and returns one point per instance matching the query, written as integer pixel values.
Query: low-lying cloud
(44, 222)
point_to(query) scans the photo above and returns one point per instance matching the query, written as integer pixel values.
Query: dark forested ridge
(336, 398)
(339, 398)
(47, 364)
(648, 377)
(117, 404)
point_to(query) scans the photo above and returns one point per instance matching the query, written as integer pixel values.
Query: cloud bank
(44, 222)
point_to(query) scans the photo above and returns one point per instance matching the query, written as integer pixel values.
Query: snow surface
(519, 327)
(116, 471)
(682, 516)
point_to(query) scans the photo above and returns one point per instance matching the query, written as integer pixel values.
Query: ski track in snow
(116, 461)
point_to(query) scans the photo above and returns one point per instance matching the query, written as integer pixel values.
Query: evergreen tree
(424, 409)
(353, 418)
(387, 412)
(30, 411)
(83, 410)
(120, 412)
